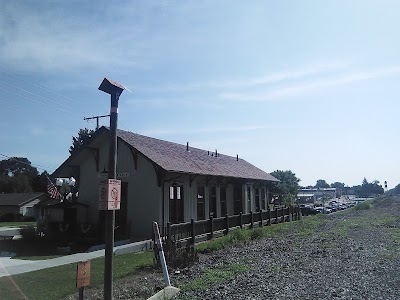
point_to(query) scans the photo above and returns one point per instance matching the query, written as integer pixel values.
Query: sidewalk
(9, 231)
(9, 266)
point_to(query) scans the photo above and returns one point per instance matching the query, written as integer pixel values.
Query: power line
(29, 164)
(43, 88)
(35, 94)
(39, 86)
(47, 90)
(97, 119)
(54, 122)
(40, 102)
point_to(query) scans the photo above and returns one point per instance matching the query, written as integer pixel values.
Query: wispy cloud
(163, 131)
(39, 37)
(269, 78)
(294, 90)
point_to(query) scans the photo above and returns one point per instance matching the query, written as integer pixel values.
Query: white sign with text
(110, 194)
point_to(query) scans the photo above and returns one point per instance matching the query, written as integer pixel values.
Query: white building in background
(316, 193)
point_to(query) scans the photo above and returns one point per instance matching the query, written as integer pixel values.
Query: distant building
(318, 192)
(25, 204)
(306, 198)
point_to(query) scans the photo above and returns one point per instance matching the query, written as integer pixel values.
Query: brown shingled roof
(174, 157)
(17, 199)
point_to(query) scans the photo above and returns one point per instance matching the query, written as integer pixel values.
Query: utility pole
(97, 119)
(115, 90)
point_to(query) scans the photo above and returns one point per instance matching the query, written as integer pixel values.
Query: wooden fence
(179, 239)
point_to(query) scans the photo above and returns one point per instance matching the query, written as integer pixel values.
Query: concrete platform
(166, 293)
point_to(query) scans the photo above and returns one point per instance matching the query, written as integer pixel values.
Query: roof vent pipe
(216, 153)
(237, 157)
(187, 146)
(208, 152)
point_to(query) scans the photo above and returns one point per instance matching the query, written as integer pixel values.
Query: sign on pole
(109, 194)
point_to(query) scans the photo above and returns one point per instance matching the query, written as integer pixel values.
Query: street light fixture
(115, 90)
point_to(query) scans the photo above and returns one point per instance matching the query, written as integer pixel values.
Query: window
(201, 207)
(213, 201)
(222, 197)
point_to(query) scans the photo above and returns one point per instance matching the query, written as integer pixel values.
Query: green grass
(58, 282)
(242, 237)
(213, 276)
(17, 224)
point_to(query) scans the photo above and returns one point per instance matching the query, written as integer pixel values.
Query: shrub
(28, 233)
(239, 235)
(29, 219)
(10, 217)
(257, 233)
(362, 206)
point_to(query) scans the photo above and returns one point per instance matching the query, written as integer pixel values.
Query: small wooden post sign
(82, 276)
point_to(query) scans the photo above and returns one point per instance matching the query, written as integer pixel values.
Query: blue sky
(307, 86)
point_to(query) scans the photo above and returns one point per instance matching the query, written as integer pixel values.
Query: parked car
(307, 210)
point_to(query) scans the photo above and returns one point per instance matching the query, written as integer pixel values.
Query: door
(257, 199)
(201, 204)
(176, 209)
(237, 199)
(213, 201)
(121, 215)
(222, 197)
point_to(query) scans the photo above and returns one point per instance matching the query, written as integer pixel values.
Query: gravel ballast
(354, 254)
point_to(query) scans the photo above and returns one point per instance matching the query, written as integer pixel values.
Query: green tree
(321, 184)
(288, 185)
(39, 183)
(17, 175)
(16, 166)
(395, 190)
(367, 189)
(339, 186)
(78, 141)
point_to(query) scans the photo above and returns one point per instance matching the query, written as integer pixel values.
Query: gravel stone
(363, 263)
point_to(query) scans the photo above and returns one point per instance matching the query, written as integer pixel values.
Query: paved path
(9, 231)
(9, 266)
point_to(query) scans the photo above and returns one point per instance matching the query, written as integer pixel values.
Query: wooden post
(153, 236)
(81, 293)
(212, 227)
(276, 215)
(269, 217)
(252, 219)
(193, 232)
(241, 220)
(169, 242)
(261, 218)
(226, 224)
